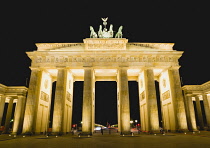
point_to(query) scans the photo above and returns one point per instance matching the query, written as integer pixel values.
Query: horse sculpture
(119, 33)
(100, 32)
(93, 34)
(110, 31)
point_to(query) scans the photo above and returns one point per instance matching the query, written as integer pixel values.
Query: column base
(15, 133)
(207, 128)
(182, 130)
(28, 133)
(155, 132)
(85, 134)
(126, 133)
(57, 133)
(6, 132)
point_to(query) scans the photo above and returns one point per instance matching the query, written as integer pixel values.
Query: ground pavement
(109, 140)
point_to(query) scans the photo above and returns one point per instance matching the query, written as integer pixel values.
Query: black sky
(184, 23)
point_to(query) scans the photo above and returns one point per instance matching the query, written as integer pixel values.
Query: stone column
(199, 112)
(151, 101)
(93, 103)
(59, 103)
(207, 110)
(124, 101)
(177, 99)
(19, 114)
(87, 109)
(8, 116)
(2, 103)
(31, 104)
(190, 113)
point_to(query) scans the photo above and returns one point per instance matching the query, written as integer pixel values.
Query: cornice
(160, 46)
(13, 90)
(197, 88)
(98, 44)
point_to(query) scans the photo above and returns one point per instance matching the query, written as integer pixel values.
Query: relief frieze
(115, 58)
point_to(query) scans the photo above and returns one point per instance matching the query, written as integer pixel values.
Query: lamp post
(136, 123)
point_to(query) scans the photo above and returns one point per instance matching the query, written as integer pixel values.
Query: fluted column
(207, 110)
(199, 112)
(151, 100)
(190, 113)
(2, 103)
(124, 101)
(59, 105)
(8, 116)
(177, 99)
(87, 109)
(31, 104)
(19, 114)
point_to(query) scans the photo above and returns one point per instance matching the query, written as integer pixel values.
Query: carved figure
(119, 33)
(104, 22)
(93, 34)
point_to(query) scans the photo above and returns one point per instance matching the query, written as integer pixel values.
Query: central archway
(106, 102)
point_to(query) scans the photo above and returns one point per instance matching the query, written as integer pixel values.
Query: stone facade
(104, 59)
(12, 95)
(197, 94)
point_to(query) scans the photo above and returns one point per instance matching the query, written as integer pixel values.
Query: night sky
(169, 21)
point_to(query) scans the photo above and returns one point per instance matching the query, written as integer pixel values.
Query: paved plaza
(113, 140)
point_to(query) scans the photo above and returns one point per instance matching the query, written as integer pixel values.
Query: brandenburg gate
(103, 57)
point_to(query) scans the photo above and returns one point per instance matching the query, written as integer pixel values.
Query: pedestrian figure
(102, 131)
(161, 130)
(138, 130)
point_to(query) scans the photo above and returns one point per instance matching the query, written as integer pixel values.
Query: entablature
(131, 58)
(197, 89)
(13, 90)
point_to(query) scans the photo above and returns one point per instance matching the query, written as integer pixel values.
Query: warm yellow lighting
(133, 72)
(77, 72)
(105, 72)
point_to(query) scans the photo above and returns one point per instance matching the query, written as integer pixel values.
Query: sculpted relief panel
(44, 96)
(166, 95)
(106, 46)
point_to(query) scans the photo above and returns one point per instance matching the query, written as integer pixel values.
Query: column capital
(205, 93)
(21, 96)
(35, 68)
(189, 95)
(2, 95)
(146, 68)
(174, 67)
(88, 67)
(61, 67)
